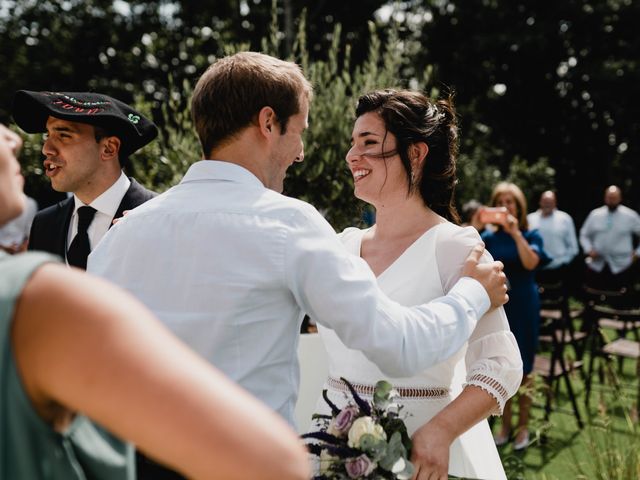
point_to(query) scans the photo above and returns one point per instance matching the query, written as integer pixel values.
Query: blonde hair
(521, 201)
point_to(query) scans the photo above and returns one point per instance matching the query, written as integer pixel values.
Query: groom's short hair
(234, 89)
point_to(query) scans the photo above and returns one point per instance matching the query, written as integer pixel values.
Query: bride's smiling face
(374, 161)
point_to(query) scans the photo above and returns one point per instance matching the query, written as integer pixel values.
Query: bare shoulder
(57, 296)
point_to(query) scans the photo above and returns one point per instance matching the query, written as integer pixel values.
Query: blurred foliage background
(548, 93)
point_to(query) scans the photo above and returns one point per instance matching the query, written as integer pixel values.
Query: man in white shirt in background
(607, 237)
(14, 235)
(231, 266)
(558, 233)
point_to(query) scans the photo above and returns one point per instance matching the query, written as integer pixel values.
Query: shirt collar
(109, 200)
(219, 170)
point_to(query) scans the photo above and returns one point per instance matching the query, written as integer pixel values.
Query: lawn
(608, 447)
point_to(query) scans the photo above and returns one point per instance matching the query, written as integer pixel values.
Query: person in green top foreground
(71, 343)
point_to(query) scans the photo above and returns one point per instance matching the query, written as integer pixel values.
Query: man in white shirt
(89, 137)
(230, 265)
(559, 235)
(14, 235)
(607, 237)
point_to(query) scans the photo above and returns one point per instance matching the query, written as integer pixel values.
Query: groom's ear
(266, 121)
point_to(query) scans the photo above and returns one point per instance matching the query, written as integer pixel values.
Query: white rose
(364, 425)
(326, 460)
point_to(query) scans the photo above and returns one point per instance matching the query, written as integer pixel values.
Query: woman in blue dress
(521, 251)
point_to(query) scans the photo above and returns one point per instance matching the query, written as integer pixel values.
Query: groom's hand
(490, 275)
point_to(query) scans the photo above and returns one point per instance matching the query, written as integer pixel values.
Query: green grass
(607, 448)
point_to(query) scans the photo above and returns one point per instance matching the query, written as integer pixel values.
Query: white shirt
(106, 205)
(231, 267)
(16, 231)
(611, 235)
(558, 233)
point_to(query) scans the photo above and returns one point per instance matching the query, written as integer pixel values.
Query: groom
(230, 265)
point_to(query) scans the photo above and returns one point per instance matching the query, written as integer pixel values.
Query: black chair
(612, 316)
(556, 334)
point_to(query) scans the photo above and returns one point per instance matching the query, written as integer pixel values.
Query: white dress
(490, 360)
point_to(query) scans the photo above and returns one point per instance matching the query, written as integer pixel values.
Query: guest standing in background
(606, 237)
(521, 251)
(559, 235)
(89, 137)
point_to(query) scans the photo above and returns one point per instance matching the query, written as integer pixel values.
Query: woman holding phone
(521, 251)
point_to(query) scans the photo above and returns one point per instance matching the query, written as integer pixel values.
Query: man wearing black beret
(89, 137)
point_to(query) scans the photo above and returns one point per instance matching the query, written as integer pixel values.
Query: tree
(555, 82)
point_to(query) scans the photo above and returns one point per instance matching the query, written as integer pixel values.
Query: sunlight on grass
(608, 448)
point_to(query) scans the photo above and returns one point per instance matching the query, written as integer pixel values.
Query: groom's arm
(339, 290)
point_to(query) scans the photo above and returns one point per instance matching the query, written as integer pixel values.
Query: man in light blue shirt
(231, 266)
(607, 237)
(559, 235)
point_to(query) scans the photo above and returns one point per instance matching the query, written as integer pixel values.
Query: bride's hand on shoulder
(430, 452)
(490, 275)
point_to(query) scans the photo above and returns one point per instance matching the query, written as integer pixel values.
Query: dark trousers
(555, 275)
(147, 469)
(607, 280)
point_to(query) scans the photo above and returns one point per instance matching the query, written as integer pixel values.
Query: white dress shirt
(16, 231)
(231, 267)
(611, 235)
(558, 233)
(106, 205)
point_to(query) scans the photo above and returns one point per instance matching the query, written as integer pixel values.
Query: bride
(402, 158)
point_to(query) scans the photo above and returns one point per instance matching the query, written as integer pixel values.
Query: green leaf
(394, 451)
(382, 394)
(374, 447)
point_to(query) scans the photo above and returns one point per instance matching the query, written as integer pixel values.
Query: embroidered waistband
(405, 392)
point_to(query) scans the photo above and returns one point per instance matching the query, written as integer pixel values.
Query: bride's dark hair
(412, 117)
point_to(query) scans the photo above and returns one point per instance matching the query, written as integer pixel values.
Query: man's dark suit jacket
(50, 226)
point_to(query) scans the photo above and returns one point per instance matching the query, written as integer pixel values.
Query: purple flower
(360, 466)
(342, 422)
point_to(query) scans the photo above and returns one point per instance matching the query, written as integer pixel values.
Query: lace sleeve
(493, 359)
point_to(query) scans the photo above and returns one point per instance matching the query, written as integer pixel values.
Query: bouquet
(364, 439)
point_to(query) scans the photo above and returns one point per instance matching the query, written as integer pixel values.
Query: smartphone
(496, 215)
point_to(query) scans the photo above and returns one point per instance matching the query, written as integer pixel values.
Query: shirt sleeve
(536, 243)
(572, 241)
(493, 359)
(339, 291)
(635, 226)
(586, 233)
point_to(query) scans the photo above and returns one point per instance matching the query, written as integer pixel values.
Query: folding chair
(617, 312)
(556, 333)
